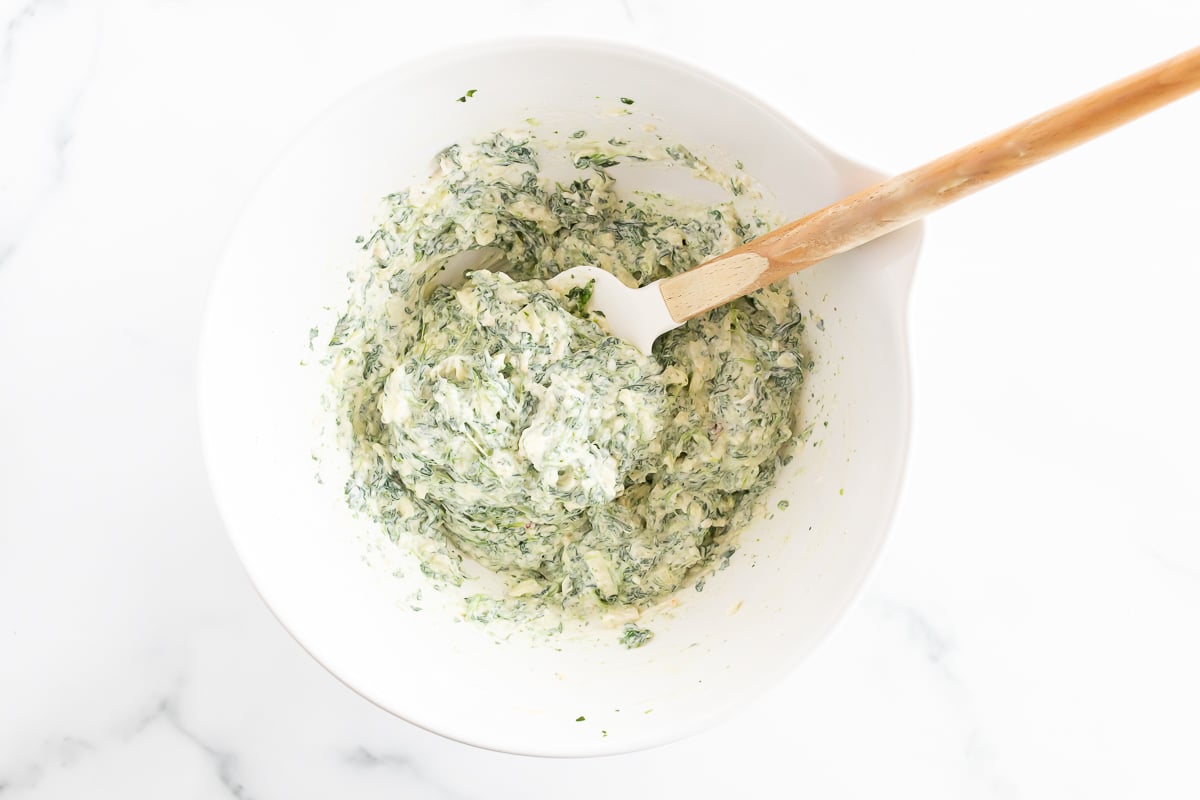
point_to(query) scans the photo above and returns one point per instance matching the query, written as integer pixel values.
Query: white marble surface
(1034, 627)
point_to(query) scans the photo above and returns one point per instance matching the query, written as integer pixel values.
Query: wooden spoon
(641, 315)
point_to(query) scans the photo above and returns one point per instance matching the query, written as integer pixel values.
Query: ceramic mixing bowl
(332, 580)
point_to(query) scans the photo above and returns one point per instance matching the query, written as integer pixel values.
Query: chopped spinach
(494, 421)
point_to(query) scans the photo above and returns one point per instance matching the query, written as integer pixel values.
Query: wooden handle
(905, 198)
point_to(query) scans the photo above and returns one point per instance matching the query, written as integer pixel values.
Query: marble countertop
(1034, 627)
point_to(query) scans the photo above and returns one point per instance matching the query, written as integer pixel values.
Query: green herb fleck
(579, 134)
(581, 718)
(597, 160)
(579, 297)
(783, 504)
(470, 93)
(626, 101)
(738, 164)
(635, 637)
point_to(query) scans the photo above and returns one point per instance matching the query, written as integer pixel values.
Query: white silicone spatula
(642, 315)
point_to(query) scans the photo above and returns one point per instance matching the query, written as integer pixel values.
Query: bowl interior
(331, 582)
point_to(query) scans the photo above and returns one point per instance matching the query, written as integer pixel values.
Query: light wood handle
(905, 198)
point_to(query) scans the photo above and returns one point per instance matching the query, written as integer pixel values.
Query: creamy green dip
(497, 419)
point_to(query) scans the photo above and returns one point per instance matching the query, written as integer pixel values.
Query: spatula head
(639, 316)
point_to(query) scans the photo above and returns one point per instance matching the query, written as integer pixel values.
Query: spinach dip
(496, 419)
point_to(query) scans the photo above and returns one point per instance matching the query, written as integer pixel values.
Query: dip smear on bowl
(498, 420)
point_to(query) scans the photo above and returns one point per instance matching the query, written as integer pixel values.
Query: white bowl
(328, 579)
